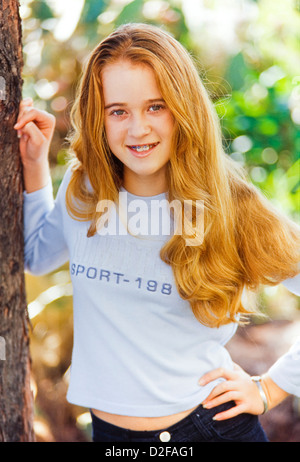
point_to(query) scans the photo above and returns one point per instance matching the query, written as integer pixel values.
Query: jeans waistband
(124, 432)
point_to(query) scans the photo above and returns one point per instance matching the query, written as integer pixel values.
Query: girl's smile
(142, 150)
(139, 126)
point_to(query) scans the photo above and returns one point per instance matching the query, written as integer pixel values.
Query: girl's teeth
(143, 148)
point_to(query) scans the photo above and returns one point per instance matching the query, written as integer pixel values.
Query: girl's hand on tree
(35, 130)
(237, 387)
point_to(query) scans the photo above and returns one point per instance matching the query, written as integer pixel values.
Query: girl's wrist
(275, 395)
(36, 175)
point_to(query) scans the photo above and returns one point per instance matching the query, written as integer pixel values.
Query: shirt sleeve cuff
(41, 194)
(276, 376)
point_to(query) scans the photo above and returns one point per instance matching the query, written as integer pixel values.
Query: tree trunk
(16, 404)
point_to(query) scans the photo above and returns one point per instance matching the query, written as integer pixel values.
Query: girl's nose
(138, 127)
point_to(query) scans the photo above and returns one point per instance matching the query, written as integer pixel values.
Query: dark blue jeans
(196, 427)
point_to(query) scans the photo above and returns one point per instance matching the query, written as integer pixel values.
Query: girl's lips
(142, 150)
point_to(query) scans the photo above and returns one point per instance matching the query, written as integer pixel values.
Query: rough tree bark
(16, 410)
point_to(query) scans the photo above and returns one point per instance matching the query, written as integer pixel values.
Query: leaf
(41, 10)
(293, 176)
(236, 72)
(92, 9)
(131, 13)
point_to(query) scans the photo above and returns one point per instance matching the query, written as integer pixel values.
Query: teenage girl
(153, 311)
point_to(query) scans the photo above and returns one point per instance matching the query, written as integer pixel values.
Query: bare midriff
(142, 423)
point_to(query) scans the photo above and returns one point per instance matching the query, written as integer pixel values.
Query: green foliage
(91, 10)
(41, 10)
(260, 132)
(133, 12)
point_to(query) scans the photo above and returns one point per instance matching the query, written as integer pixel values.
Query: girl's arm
(282, 379)
(44, 219)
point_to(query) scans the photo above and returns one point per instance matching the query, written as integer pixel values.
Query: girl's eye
(156, 107)
(118, 112)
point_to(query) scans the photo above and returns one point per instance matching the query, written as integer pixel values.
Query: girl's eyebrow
(114, 104)
(148, 101)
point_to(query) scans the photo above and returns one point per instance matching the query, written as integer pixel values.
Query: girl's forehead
(125, 78)
(126, 67)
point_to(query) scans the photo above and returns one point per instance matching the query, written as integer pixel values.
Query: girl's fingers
(44, 121)
(25, 103)
(216, 374)
(29, 114)
(31, 142)
(219, 390)
(231, 395)
(232, 412)
(31, 131)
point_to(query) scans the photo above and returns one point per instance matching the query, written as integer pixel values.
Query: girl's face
(139, 126)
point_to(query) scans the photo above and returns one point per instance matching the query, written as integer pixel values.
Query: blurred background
(248, 54)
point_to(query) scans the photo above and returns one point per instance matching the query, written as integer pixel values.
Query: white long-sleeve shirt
(138, 349)
(286, 370)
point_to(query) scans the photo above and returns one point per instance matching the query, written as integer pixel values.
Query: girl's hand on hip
(237, 387)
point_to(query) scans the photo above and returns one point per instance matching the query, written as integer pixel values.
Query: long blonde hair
(246, 241)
